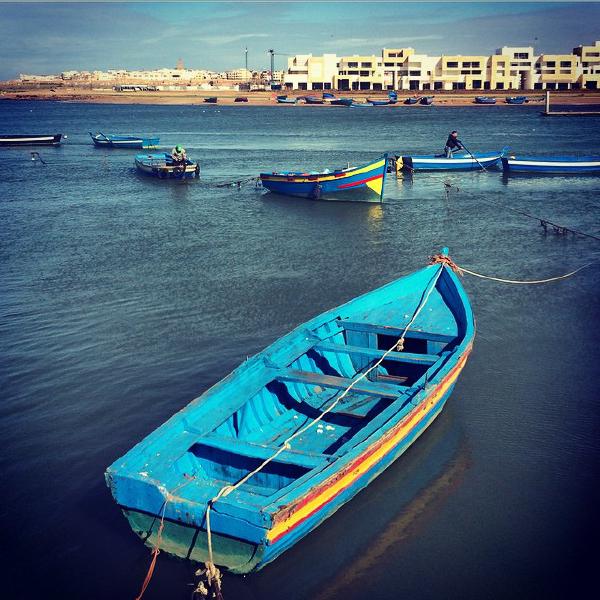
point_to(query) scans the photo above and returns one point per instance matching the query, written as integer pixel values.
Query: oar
(473, 157)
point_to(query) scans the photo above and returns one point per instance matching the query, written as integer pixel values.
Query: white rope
(226, 490)
(530, 282)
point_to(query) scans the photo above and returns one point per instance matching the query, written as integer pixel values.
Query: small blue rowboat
(460, 161)
(285, 100)
(381, 102)
(123, 141)
(426, 100)
(410, 101)
(551, 164)
(362, 184)
(332, 404)
(361, 104)
(164, 167)
(516, 100)
(342, 102)
(52, 139)
(484, 100)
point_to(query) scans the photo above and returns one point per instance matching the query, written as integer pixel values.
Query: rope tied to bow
(444, 259)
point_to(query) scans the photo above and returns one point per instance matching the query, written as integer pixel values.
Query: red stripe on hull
(361, 182)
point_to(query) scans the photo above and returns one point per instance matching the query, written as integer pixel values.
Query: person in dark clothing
(452, 144)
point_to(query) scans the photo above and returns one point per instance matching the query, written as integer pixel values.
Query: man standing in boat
(178, 155)
(453, 144)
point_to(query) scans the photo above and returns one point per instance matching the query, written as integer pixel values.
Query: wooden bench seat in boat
(406, 357)
(308, 460)
(396, 331)
(370, 388)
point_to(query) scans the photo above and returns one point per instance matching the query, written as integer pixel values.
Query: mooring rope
(527, 282)
(212, 572)
(156, 549)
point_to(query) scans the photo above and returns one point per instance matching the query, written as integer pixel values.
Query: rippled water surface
(123, 298)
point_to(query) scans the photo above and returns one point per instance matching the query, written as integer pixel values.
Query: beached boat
(375, 102)
(460, 161)
(333, 403)
(285, 100)
(361, 184)
(123, 141)
(426, 100)
(313, 100)
(410, 101)
(162, 166)
(241, 99)
(551, 164)
(361, 105)
(516, 100)
(484, 100)
(342, 102)
(31, 140)
(211, 100)
(328, 96)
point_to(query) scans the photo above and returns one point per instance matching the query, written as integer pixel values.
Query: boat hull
(122, 141)
(459, 162)
(356, 184)
(242, 557)
(552, 165)
(161, 167)
(30, 140)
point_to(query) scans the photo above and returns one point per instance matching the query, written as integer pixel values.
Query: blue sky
(45, 38)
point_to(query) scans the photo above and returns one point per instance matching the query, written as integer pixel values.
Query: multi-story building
(514, 67)
(308, 72)
(589, 57)
(557, 72)
(239, 74)
(359, 73)
(462, 73)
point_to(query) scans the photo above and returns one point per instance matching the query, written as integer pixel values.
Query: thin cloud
(228, 39)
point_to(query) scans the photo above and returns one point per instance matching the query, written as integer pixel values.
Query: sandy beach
(227, 97)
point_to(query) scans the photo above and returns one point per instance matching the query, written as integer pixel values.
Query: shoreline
(227, 98)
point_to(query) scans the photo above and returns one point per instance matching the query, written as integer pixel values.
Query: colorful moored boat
(164, 167)
(460, 161)
(314, 417)
(342, 102)
(551, 164)
(363, 183)
(123, 141)
(31, 140)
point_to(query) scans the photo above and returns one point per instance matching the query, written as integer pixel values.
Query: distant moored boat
(426, 100)
(31, 140)
(484, 100)
(339, 184)
(211, 100)
(551, 164)
(123, 141)
(163, 166)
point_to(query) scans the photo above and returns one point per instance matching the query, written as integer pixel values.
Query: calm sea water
(123, 298)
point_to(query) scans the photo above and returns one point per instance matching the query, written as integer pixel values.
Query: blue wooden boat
(342, 102)
(380, 102)
(460, 161)
(285, 100)
(123, 141)
(18, 139)
(361, 105)
(551, 164)
(313, 100)
(411, 100)
(328, 96)
(516, 100)
(162, 166)
(333, 403)
(426, 100)
(363, 184)
(484, 100)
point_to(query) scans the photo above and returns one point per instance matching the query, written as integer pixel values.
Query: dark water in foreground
(123, 298)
